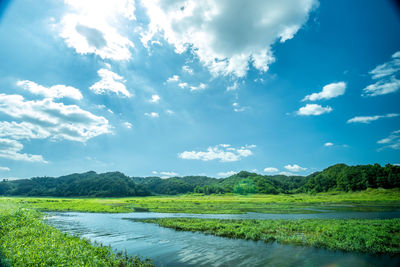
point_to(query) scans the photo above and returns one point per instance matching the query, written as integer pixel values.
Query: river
(167, 247)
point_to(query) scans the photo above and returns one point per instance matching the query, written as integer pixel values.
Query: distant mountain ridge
(116, 184)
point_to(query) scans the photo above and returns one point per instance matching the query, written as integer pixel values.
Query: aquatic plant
(26, 241)
(368, 200)
(372, 236)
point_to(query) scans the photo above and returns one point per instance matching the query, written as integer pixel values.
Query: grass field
(371, 236)
(26, 241)
(369, 200)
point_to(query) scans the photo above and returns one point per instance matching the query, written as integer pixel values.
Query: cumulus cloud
(110, 82)
(4, 169)
(385, 77)
(328, 144)
(173, 78)
(170, 112)
(10, 149)
(294, 168)
(271, 169)
(233, 87)
(206, 29)
(200, 87)
(222, 152)
(164, 174)
(226, 174)
(313, 109)
(183, 85)
(93, 26)
(48, 119)
(368, 119)
(187, 69)
(392, 141)
(155, 99)
(328, 91)
(128, 125)
(56, 91)
(152, 114)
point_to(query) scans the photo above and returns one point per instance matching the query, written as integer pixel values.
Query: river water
(167, 247)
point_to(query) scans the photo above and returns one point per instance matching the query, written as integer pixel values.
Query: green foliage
(89, 184)
(244, 187)
(354, 178)
(26, 241)
(371, 236)
(338, 177)
(367, 200)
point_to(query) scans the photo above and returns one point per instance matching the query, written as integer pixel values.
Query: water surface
(167, 247)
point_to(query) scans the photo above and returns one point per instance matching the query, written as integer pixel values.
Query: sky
(175, 88)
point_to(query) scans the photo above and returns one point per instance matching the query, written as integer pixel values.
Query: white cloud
(187, 69)
(128, 125)
(226, 35)
(223, 152)
(294, 168)
(165, 175)
(233, 87)
(47, 119)
(385, 76)
(4, 169)
(313, 109)
(328, 144)
(155, 99)
(10, 149)
(56, 91)
(200, 87)
(238, 108)
(368, 119)
(152, 114)
(392, 141)
(183, 85)
(226, 174)
(328, 91)
(93, 26)
(270, 169)
(170, 112)
(174, 78)
(23, 130)
(110, 82)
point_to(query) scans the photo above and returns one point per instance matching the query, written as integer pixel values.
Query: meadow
(369, 236)
(368, 200)
(26, 241)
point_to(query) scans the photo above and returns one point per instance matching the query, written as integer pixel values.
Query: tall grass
(371, 236)
(369, 200)
(26, 241)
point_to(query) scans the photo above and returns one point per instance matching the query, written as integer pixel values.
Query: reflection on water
(172, 248)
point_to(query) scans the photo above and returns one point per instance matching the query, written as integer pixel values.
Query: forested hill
(115, 184)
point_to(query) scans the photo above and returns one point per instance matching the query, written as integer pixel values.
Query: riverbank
(368, 236)
(26, 241)
(368, 200)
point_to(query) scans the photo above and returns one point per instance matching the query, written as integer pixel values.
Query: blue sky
(197, 87)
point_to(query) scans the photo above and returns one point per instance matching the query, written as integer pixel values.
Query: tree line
(338, 177)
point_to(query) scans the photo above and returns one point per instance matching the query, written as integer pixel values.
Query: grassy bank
(368, 200)
(370, 236)
(26, 241)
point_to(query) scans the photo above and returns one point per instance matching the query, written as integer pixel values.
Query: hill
(339, 177)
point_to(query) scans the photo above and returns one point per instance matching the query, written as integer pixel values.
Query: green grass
(368, 200)
(370, 236)
(26, 241)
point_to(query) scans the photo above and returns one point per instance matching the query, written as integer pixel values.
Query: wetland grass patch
(26, 241)
(360, 235)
